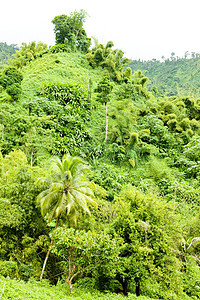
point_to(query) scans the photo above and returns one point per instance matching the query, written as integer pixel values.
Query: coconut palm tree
(66, 192)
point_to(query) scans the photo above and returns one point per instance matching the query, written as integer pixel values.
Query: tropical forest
(99, 171)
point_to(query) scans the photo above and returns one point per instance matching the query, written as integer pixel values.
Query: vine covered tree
(69, 30)
(66, 192)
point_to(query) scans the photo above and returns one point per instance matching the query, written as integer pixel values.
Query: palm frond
(41, 195)
(43, 181)
(82, 200)
(56, 166)
(75, 217)
(48, 201)
(70, 202)
(56, 186)
(86, 191)
(76, 164)
(66, 163)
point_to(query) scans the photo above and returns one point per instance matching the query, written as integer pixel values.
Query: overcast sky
(143, 29)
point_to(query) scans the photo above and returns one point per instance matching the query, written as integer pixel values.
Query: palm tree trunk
(48, 252)
(106, 122)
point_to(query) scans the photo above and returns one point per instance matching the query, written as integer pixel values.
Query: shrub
(11, 80)
(14, 90)
(9, 268)
(59, 48)
(191, 278)
(168, 107)
(185, 123)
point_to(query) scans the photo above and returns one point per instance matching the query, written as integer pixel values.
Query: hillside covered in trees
(6, 52)
(99, 174)
(174, 76)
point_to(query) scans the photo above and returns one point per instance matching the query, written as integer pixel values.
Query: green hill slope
(145, 175)
(60, 67)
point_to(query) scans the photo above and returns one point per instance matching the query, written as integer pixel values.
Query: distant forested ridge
(174, 76)
(6, 52)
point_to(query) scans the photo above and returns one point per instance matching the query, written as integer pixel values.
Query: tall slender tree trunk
(106, 122)
(137, 281)
(48, 252)
(125, 287)
(71, 277)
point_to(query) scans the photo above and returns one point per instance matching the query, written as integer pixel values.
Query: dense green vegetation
(6, 52)
(15, 289)
(81, 130)
(174, 76)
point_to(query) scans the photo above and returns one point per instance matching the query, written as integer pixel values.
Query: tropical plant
(27, 53)
(109, 59)
(83, 253)
(147, 224)
(66, 192)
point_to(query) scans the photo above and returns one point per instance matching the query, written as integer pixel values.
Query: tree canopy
(69, 30)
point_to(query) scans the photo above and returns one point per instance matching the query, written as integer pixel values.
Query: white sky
(143, 29)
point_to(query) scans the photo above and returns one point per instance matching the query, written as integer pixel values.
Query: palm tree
(67, 192)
